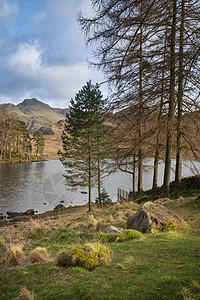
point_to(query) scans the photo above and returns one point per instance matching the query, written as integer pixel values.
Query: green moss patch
(89, 256)
(129, 234)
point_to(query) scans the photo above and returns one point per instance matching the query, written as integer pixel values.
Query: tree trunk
(157, 152)
(133, 176)
(168, 154)
(155, 168)
(180, 98)
(99, 179)
(140, 160)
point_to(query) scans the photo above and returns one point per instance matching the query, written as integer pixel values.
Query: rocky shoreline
(12, 217)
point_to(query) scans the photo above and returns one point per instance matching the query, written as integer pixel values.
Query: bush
(105, 198)
(89, 256)
(129, 234)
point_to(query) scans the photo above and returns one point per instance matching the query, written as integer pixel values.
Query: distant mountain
(37, 114)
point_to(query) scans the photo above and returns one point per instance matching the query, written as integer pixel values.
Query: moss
(169, 225)
(3, 241)
(127, 235)
(89, 256)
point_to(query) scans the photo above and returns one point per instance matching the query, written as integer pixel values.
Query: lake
(41, 186)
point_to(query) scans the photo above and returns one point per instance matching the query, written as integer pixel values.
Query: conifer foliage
(83, 138)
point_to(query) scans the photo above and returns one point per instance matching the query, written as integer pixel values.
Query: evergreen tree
(39, 142)
(83, 138)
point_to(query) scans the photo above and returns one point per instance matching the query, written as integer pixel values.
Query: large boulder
(154, 216)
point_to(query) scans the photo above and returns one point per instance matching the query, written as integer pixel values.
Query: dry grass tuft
(181, 199)
(14, 255)
(92, 221)
(162, 201)
(128, 213)
(118, 206)
(39, 225)
(111, 219)
(99, 225)
(120, 216)
(39, 255)
(25, 294)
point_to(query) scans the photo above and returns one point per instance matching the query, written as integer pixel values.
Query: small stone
(59, 206)
(112, 229)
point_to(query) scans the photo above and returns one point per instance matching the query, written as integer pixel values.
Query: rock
(12, 214)
(112, 229)
(29, 212)
(59, 206)
(62, 201)
(1, 217)
(46, 130)
(83, 192)
(153, 216)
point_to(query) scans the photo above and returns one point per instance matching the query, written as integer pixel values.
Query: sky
(43, 54)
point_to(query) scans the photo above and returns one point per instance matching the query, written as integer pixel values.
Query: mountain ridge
(36, 114)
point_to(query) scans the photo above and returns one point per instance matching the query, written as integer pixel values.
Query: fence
(122, 195)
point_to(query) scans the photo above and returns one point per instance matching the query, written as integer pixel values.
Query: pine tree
(83, 139)
(39, 142)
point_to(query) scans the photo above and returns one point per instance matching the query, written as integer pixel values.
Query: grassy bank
(162, 265)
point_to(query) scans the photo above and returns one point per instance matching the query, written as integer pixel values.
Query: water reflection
(41, 185)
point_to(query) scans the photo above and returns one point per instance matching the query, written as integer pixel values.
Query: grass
(162, 265)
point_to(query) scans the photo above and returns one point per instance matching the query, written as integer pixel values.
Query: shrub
(127, 235)
(39, 255)
(89, 256)
(14, 255)
(25, 294)
(105, 198)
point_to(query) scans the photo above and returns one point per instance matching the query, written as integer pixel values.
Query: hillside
(53, 142)
(41, 116)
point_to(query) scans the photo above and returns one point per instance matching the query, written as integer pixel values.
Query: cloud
(42, 51)
(8, 9)
(55, 83)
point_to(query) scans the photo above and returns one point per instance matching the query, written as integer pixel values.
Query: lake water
(41, 186)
